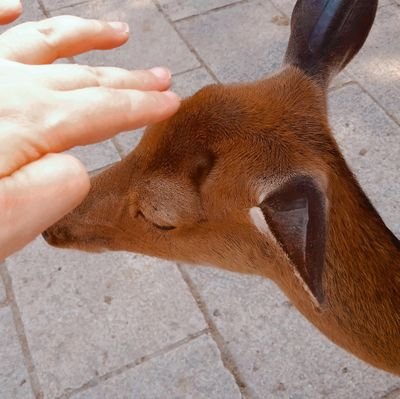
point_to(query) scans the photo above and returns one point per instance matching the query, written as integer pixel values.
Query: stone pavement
(74, 325)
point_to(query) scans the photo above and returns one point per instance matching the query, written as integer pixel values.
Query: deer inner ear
(296, 216)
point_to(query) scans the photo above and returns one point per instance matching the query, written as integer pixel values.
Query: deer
(248, 177)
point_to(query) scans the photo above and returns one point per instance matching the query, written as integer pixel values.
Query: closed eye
(157, 226)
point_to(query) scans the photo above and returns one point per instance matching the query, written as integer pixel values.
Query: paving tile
(52, 5)
(188, 83)
(14, 380)
(2, 288)
(286, 6)
(377, 67)
(371, 144)
(278, 352)
(340, 80)
(383, 3)
(153, 40)
(126, 142)
(192, 371)
(96, 156)
(87, 314)
(178, 9)
(244, 54)
(185, 85)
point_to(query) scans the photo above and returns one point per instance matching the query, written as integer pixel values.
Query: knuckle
(94, 74)
(48, 35)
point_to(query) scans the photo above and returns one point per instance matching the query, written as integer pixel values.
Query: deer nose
(57, 235)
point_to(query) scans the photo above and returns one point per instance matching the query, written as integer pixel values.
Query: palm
(38, 185)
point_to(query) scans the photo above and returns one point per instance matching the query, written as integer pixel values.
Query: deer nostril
(46, 235)
(56, 235)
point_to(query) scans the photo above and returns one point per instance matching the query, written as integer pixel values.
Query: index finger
(64, 36)
(111, 111)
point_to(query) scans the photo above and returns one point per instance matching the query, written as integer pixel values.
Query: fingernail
(119, 26)
(171, 95)
(161, 73)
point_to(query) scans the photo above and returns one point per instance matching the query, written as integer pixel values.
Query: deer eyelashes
(296, 216)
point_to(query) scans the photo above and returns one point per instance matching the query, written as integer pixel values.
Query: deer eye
(157, 226)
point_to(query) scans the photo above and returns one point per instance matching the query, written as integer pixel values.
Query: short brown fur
(185, 194)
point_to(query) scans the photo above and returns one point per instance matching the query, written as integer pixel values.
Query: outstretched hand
(46, 109)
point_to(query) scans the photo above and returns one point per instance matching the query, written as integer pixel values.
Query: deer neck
(361, 311)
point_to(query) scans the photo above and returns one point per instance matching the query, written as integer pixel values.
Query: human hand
(9, 10)
(48, 109)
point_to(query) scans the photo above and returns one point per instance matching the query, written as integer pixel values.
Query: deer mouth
(63, 237)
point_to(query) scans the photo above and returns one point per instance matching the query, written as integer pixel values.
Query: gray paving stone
(126, 142)
(86, 315)
(3, 296)
(192, 371)
(233, 54)
(153, 40)
(185, 85)
(278, 352)
(377, 67)
(31, 12)
(178, 9)
(371, 144)
(286, 6)
(393, 394)
(96, 156)
(340, 80)
(188, 83)
(14, 380)
(52, 5)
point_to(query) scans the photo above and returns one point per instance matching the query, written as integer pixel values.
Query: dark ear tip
(327, 34)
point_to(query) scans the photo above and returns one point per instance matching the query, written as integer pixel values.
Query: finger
(87, 116)
(9, 11)
(38, 195)
(63, 36)
(71, 77)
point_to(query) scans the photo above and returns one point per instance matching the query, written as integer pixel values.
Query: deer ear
(327, 34)
(296, 216)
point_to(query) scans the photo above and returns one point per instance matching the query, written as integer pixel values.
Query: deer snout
(59, 235)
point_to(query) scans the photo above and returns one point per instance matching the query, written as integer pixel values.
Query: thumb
(38, 195)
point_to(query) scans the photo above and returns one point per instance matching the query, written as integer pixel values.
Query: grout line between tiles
(393, 118)
(187, 71)
(189, 46)
(3, 304)
(272, 2)
(19, 326)
(96, 381)
(78, 3)
(118, 147)
(341, 86)
(43, 8)
(226, 357)
(189, 17)
(393, 393)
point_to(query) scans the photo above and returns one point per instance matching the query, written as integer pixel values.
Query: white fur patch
(258, 219)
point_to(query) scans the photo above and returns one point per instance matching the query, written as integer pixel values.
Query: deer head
(247, 177)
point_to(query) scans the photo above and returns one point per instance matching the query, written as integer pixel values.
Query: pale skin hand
(46, 109)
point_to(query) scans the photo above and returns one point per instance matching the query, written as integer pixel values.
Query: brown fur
(196, 176)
